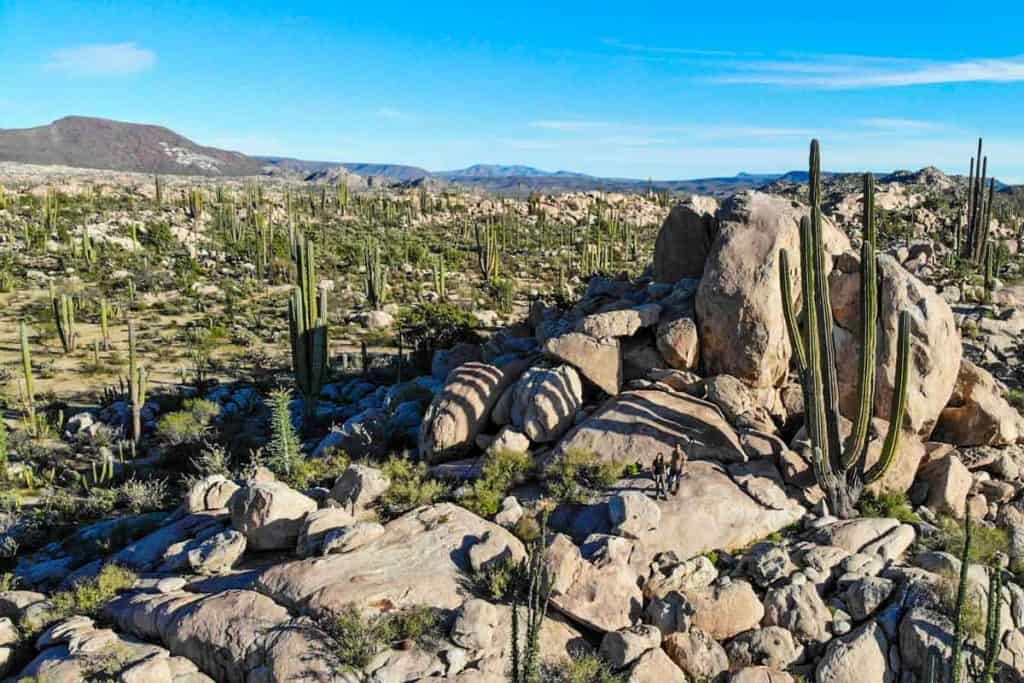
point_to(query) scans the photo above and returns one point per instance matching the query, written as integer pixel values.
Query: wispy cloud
(102, 60)
(849, 72)
(391, 114)
(672, 50)
(643, 133)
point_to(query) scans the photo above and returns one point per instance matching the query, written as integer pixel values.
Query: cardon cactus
(841, 472)
(137, 380)
(64, 317)
(307, 321)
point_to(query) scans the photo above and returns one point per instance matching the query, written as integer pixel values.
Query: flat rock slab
(710, 512)
(637, 425)
(422, 558)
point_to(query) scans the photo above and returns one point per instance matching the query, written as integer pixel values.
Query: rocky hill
(88, 142)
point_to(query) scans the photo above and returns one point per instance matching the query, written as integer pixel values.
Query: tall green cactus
(841, 472)
(194, 204)
(158, 191)
(979, 211)
(440, 278)
(51, 212)
(487, 250)
(376, 275)
(137, 381)
(29, 398)
(307, 320)
(64, 317)
(105, 322)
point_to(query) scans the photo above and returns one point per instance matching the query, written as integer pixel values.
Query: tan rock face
(977, 414)
(637, 425)
(460, 410)
(685, 239)
(422, 558)
(861, 656)
(739, 303)
(697, 654)
(724, 611)
(935, 346)
(599, 360)
(678, 343)
(602, 595)
(545, 401)
(270, 515)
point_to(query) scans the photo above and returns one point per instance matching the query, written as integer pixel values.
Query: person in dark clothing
(659, 476)
(675, 469)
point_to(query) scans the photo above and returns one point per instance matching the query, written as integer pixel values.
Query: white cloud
(391, 114)
(848, 72)
(102, 60)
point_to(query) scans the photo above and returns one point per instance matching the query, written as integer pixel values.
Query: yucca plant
(840, 468)
(307, 321)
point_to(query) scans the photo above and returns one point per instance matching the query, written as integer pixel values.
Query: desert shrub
(578, 474)
(308, 472)
(500, 471)
(88, 596)
(986, 541)
(496, 580)
(213, 459)
(143, 496)
(410, 487)
(974, 608)
(427, 327)
(357, 637)
(581, 668)
(190, 425)
(888, 504)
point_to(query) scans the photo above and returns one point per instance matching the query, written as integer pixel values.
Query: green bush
(581, 668)
(578, 474)
(357, 637)
(88, 596)
(143, 496)
(889, 504)
(500, 472)
(409, 487)
(986, 541)
(190, 425)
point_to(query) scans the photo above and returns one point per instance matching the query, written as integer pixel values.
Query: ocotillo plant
(376, 275)
(841, 473)
(961, 603)
(993, 630)
(307, 321)
(64, 317)
(29, 397)
(137, 380)
(533, 587)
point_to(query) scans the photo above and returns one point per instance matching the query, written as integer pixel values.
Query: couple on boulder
(674, 470)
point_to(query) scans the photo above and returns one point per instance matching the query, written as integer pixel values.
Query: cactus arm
(993, 630)
(789, 312)
(898, 407)
(857, 448)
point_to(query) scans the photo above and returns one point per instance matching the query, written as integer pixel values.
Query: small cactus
(137, 381)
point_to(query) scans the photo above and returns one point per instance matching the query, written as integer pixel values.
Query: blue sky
(663, 90)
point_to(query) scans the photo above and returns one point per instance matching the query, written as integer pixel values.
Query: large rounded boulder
(685, 239)
(739, 302)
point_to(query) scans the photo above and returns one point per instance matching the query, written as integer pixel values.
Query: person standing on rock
(675, 469)
(659, 476)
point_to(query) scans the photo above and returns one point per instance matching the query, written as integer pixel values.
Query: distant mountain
(500, 171)
(88, 142)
